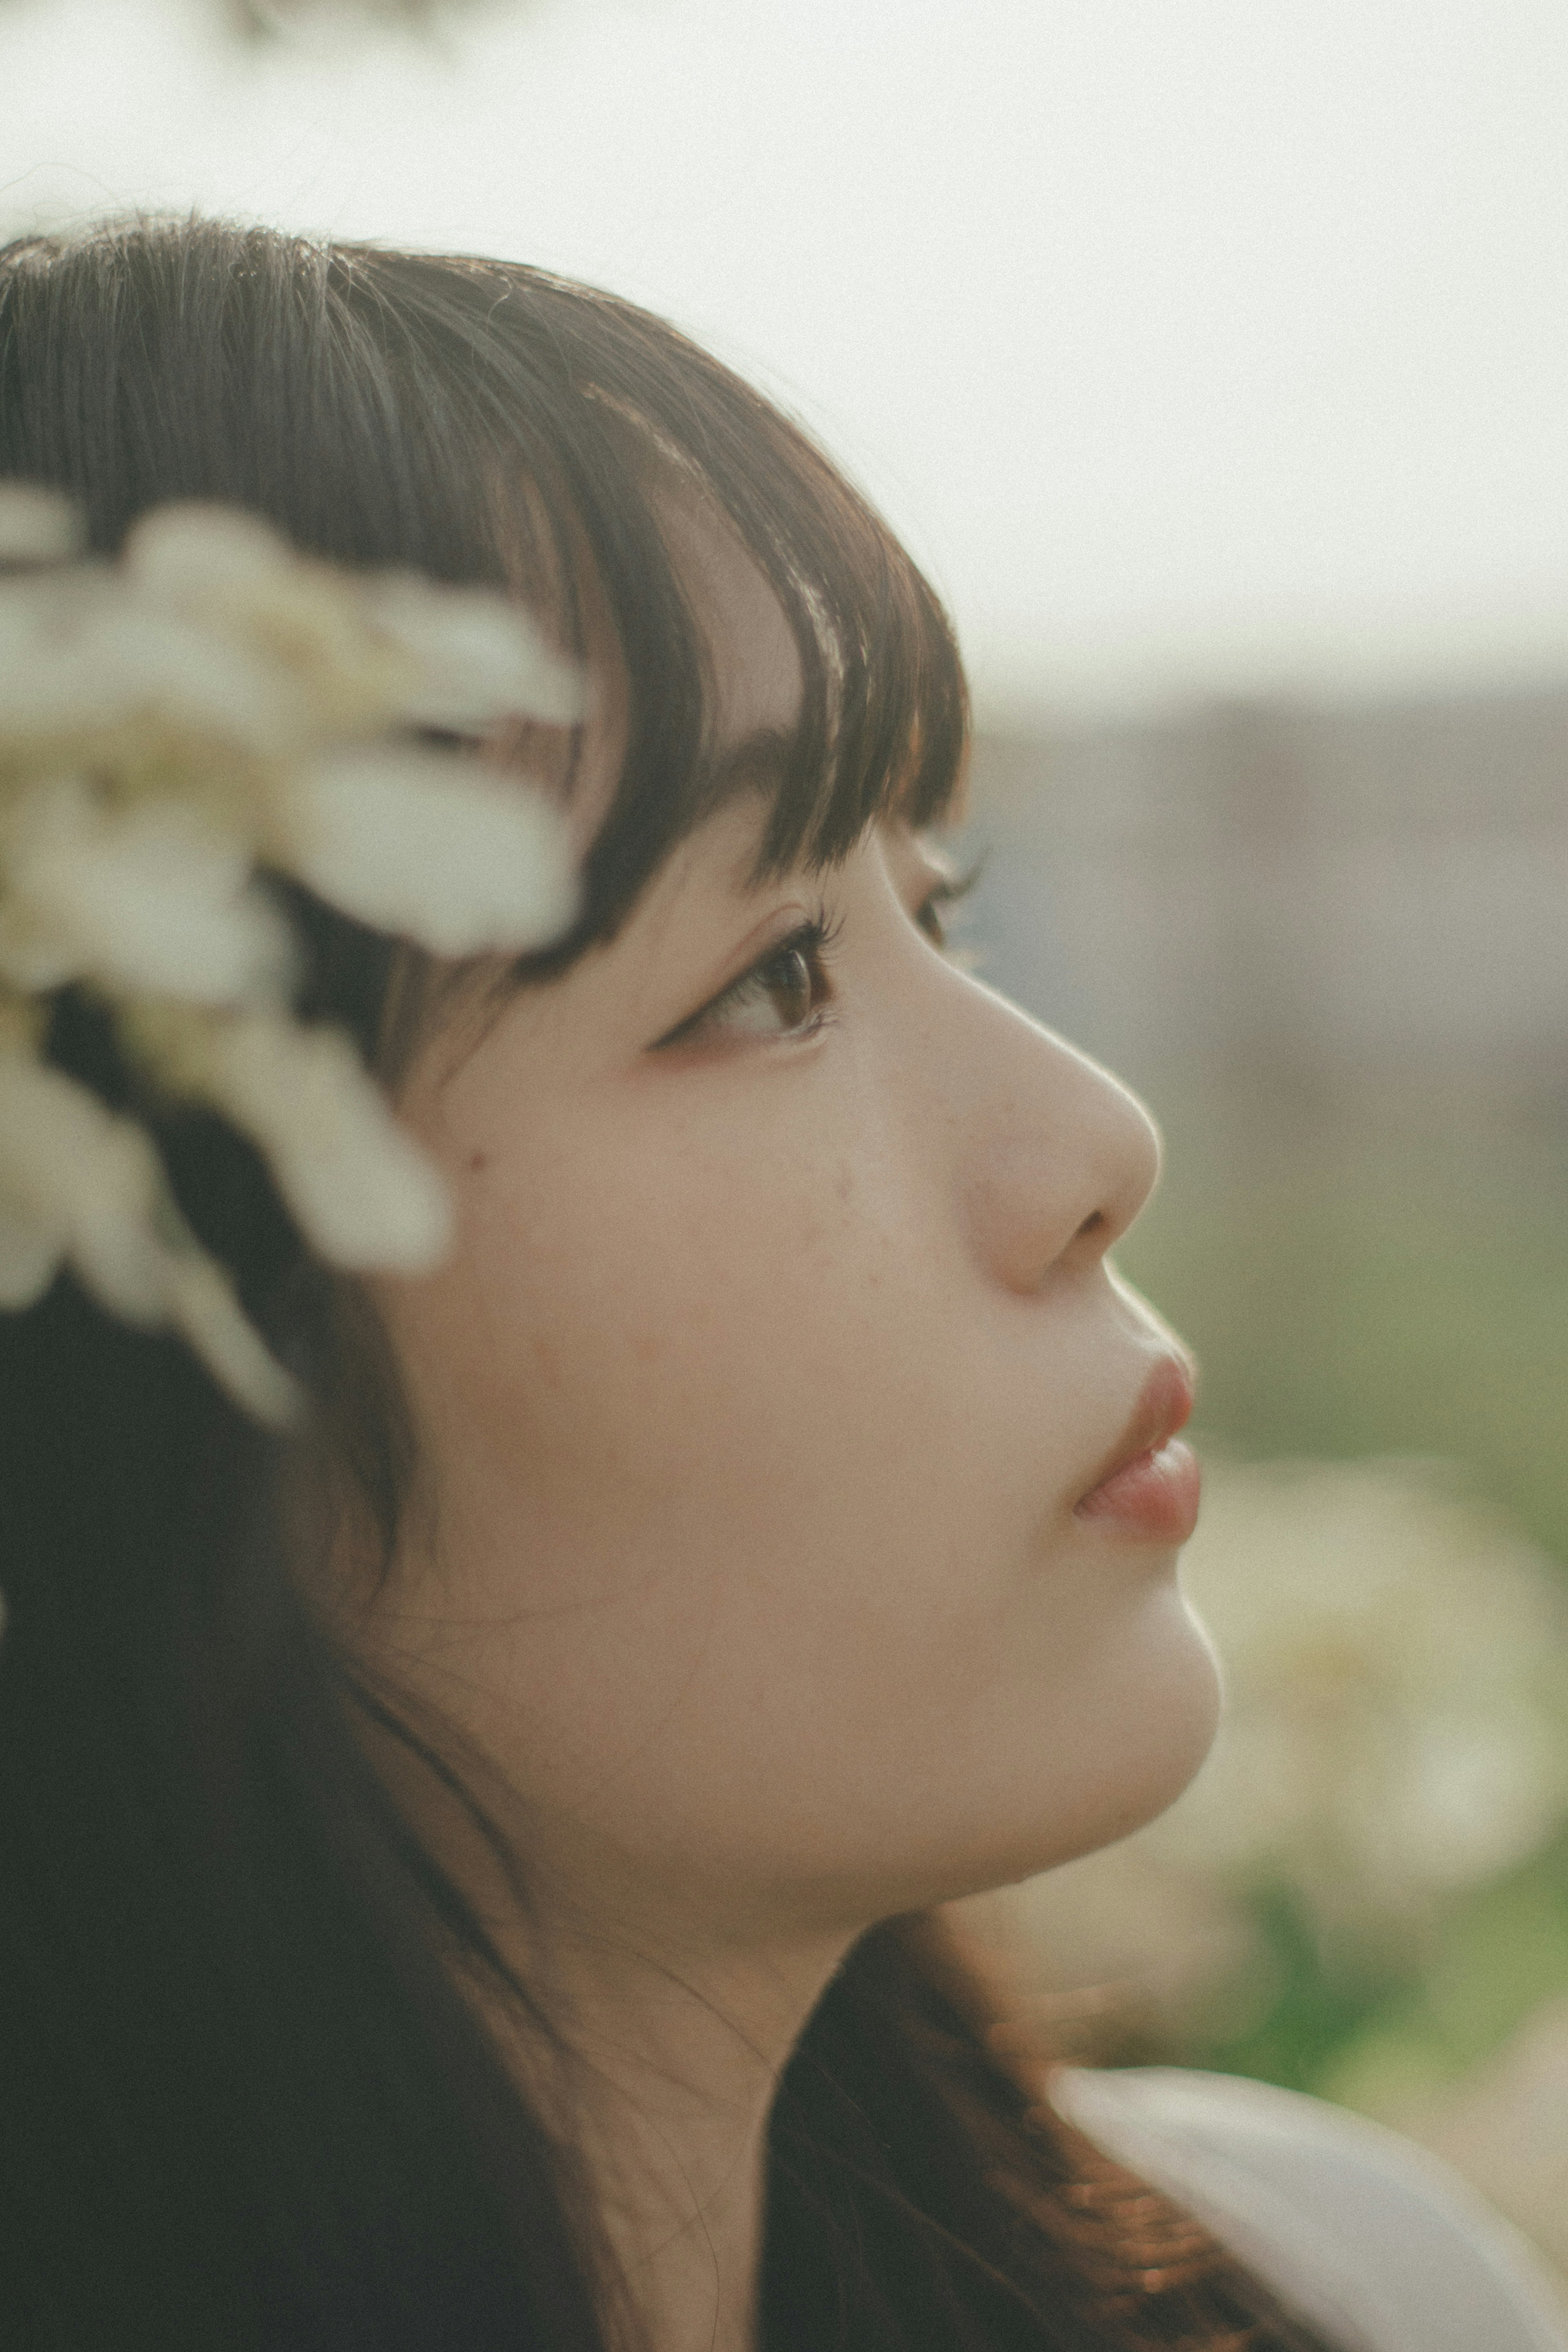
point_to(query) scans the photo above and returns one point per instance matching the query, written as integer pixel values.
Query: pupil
(790, 985)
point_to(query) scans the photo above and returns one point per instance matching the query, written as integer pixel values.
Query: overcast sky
(1197, 345)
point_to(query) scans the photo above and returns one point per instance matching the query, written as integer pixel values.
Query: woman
(470, 1876)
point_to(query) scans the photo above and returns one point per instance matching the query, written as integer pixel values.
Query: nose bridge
(1058, 1156)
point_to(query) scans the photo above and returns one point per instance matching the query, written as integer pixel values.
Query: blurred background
(1212, 356)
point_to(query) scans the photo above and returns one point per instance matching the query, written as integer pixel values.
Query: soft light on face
(779, 1348)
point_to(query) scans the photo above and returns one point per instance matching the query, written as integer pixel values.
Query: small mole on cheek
(478, 1162)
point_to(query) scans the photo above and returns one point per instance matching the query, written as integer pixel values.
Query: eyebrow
(758, 762)
(756, 767)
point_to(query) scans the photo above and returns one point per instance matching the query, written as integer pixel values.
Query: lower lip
(1155, 1496)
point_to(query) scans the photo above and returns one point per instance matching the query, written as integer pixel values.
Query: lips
(1149, 1485)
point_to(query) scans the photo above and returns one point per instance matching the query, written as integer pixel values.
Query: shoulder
(1375, 2244)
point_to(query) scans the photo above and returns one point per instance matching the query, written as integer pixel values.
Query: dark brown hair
(245, 2103)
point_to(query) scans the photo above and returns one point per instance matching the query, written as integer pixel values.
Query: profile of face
(757, 1408)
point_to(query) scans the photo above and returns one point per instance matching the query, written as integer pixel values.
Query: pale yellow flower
(474, 659)
(173, 726)
(155, 897)
(1395, 1734)
(37, 525)
(361, 1190)
(423, 845)
(82, 1186)
(92, 673)
(1398, 1719)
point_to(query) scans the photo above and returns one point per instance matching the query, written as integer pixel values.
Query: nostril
(1092, 1224)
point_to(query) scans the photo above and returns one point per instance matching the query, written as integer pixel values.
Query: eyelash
(811, 944)
(948, 892)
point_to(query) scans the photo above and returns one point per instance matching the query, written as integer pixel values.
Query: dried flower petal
(37, 525)
(360, 1188)
(81, 661)
(152, 897)
(429, 847)
(30, 1258)
(77, 1181)
(204, 1309)
(473, 660)
(211, 703)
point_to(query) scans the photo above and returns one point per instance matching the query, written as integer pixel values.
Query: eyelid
(813, 935)
(816, 935)
(947, 889)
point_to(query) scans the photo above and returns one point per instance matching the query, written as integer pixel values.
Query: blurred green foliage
(1361, 1286)
(1370, 1290)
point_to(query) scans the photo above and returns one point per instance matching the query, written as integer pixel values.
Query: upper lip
(1165, 1404)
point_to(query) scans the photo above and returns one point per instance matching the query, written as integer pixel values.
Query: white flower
(203, 1309)
(386, 648)
(155, 898)
(37, 525)
(83, 664)
(474, 659)
(235, 581)
(1396, 1725)
(212, 705)
(1395, 1732)
(85, 1181)
(30, 1258)
(189, 553)
(79, 1184)
(423, 845)
(362, 1191)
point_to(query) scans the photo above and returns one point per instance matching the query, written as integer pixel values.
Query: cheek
(755, 1495)
(635, 1319)
(765, 1366)
(696, 1383)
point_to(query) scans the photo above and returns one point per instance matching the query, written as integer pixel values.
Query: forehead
(755, 676)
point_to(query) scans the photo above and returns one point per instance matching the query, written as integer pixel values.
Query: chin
(1178, 1719)
(1139, 1749)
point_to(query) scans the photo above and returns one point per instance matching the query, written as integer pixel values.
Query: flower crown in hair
(211, 707)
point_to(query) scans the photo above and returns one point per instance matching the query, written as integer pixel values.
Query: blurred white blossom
(37, 525)
(471, 662)
(1394, 1735)
(155, 897)
(173, 726)
(1396, 1719)
(354, 1180)
(82, 1186)
(414, 843)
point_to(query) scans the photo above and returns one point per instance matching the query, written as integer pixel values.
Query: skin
(752, 1408)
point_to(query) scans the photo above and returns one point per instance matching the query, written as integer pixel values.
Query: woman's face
(755, 1407)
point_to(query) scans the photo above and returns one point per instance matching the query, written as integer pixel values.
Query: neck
(666, 2081)
(671, 2042)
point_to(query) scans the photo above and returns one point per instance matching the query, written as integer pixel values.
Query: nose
(1062, 1156)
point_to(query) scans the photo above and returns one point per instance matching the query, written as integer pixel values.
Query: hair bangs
(582, 412)
(884, 723)
(488, 423)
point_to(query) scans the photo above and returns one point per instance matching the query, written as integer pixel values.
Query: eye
(783, 994)
(930, 916)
